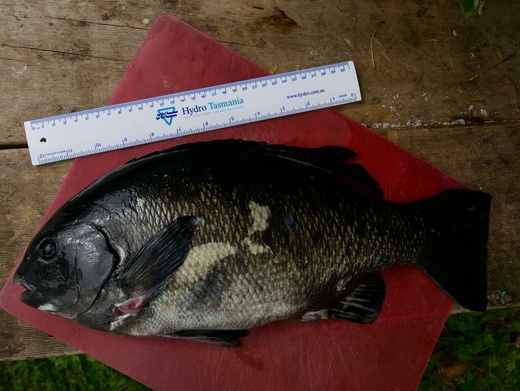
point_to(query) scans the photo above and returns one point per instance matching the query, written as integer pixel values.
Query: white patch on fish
(260, 215)
(255, 248)
(202, 258)
(48, 307)
(313, 315)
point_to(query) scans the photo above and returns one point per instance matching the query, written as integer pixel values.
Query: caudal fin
(456, 258)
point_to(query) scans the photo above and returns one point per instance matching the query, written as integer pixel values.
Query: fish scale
(268, 273)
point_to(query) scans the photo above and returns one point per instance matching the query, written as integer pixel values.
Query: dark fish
(206, 240)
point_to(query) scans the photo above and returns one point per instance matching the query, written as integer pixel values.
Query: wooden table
(414, 61)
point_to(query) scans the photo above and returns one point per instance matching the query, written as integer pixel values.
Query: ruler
(144, 121)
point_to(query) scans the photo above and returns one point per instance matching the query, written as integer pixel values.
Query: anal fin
(363, 304)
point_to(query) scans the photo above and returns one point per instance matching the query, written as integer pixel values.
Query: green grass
(77, 372)
(476, 351)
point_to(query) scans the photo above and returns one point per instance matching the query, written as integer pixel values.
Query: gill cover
(64, 269)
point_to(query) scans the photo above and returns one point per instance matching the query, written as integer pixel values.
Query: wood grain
(26, 193)
(485, 158)
(64, 56)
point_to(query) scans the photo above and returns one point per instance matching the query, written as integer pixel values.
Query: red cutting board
(390, 354)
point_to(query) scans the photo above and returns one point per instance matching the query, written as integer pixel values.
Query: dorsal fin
(333, 159)
(330, 158)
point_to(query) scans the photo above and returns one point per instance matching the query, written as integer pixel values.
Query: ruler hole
(43, 140)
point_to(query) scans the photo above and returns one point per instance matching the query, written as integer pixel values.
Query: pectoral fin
(151, 268)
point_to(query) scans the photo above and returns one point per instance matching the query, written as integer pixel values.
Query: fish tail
(456, 253)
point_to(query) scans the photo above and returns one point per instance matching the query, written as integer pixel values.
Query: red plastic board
(287, 355)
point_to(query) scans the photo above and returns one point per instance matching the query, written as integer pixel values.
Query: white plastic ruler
(144, 121)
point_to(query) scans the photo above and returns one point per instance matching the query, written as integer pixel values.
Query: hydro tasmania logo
(166, 114)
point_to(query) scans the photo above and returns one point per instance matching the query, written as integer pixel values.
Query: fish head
(65, 267)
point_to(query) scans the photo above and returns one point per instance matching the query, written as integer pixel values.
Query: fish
(207, 240)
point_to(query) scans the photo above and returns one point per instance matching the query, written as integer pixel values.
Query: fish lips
(34, 298)
(30, 296)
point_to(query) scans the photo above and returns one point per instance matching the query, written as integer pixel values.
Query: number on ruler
(310, 77)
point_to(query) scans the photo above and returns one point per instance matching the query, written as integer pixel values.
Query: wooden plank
(26, 193)
(24, 197)
(21, 341)
(60, 57)
(484, 157)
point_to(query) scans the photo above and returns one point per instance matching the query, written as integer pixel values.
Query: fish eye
(47, 249)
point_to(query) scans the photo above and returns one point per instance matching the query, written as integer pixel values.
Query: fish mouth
(31, 296)
(29, 288)
(18, 280)
(26, 297)
(36, 299)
